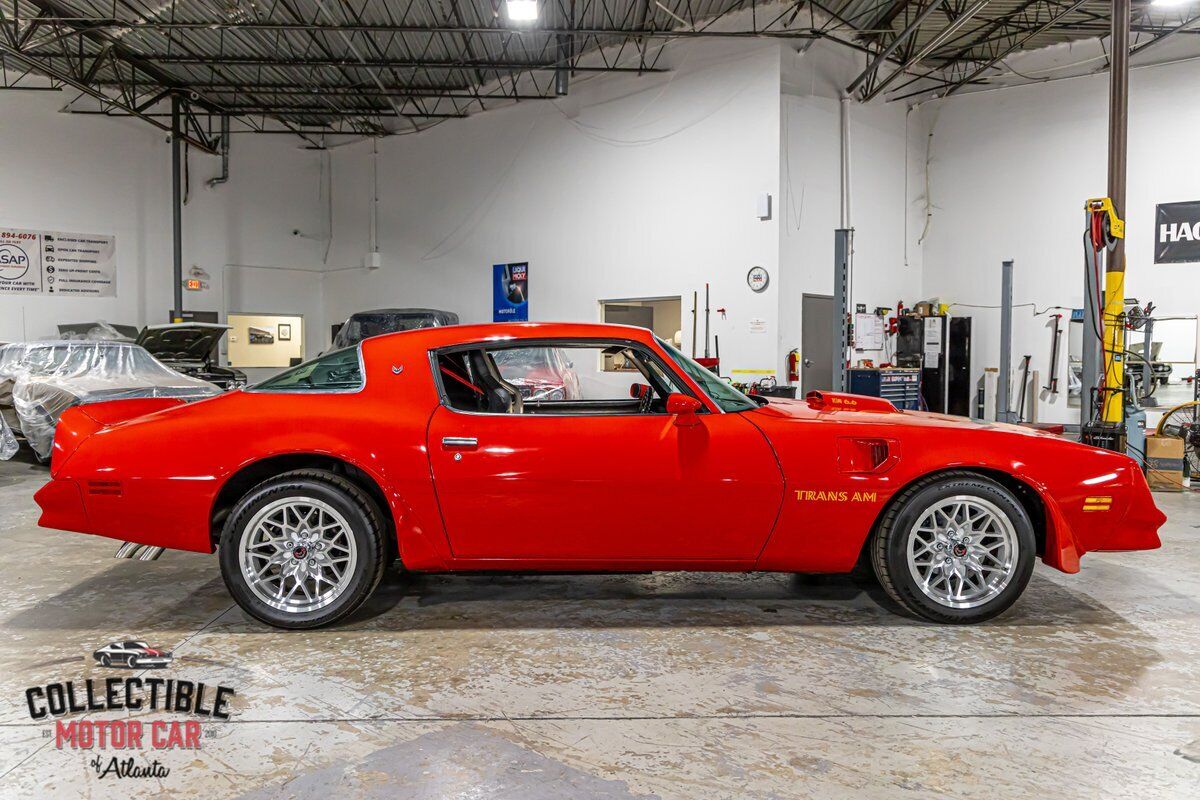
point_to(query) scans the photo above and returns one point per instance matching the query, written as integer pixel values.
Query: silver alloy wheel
(297, 554)
(962, 551)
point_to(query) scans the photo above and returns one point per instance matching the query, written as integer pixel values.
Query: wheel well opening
(1026, 495)
(253, 474)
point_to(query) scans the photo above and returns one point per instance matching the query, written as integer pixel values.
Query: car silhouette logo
(132, 654)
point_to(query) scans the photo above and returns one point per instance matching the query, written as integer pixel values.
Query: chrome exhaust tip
(128, 550)
(141, 552)
(150, 554)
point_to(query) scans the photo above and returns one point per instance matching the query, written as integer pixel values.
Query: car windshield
(724, 395)
(364, 325)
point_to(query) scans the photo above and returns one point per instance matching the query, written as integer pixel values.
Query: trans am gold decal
(832, 496)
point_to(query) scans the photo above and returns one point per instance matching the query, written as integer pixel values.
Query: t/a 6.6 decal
(124, 720)
(57, 262)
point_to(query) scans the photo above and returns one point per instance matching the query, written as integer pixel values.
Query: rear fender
(79, 422)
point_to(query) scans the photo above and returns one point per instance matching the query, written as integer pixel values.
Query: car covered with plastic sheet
(41, 380)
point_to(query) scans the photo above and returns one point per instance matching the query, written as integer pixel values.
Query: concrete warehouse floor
(627, 686)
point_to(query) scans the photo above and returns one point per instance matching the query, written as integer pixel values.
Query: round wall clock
(758, 279)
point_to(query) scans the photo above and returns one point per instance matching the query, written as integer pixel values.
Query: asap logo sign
(14, 262)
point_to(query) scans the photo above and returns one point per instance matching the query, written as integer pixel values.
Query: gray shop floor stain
(459, 761)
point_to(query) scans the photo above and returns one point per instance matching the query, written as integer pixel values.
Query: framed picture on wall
(265, 341)
(261, 336)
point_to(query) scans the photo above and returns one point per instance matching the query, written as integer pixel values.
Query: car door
(597, 480)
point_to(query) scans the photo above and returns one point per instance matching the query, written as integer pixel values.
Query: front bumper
(152, 661)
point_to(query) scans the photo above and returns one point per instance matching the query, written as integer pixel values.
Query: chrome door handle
(459, 442)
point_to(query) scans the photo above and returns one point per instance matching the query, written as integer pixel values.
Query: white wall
(633, 186)
(1009, 173)
(630, 187)
(97, 175)
(883, 184)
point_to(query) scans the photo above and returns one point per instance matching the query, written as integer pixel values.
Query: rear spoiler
(79, 422)
(840, 401)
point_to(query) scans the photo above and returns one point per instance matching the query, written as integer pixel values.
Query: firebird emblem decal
(397, 369)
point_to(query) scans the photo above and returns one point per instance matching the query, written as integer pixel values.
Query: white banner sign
(54, 262)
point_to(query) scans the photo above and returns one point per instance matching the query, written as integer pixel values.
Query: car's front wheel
(303, 549)
(957, 548)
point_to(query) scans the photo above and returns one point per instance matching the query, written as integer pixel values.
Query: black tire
(132, 662)
(889, 550)
(366, 526)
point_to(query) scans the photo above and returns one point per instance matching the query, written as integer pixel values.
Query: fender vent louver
(866, 456)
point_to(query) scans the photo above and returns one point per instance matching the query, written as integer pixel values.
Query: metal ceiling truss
(317, 68)
(345, 66)
(947, 45)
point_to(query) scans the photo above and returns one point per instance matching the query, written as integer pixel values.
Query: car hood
(801, 410)
(193, 341)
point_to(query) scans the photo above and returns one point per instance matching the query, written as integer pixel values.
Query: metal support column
(1003, 412)
(842, 242)
(177, 201)
(1114, 268)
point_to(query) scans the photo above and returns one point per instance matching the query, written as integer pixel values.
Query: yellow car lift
(1105, 228)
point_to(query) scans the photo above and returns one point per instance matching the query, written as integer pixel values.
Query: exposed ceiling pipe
(224, 176)
(844, 118)
(374, 239)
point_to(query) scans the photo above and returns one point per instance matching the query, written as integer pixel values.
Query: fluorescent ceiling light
(522, 10)
(1165, 3)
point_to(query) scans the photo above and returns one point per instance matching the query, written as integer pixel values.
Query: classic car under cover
(41, 380)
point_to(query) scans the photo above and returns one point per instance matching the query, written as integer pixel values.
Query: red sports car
(417, 446)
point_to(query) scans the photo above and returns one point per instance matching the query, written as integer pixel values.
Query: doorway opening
(661, 315)
(817, 325)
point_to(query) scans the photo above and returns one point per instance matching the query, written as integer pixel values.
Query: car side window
(556, 378)
(339, 371)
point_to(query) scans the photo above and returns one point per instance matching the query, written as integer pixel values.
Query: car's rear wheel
(957, 548)
(303, 549)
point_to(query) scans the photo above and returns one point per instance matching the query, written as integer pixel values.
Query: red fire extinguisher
(793, 366)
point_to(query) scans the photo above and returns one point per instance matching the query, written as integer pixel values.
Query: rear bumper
(62, 506)
(159, 513)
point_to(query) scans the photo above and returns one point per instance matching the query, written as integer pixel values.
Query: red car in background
(416, 446)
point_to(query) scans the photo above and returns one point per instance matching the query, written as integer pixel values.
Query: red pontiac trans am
(419, 446)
